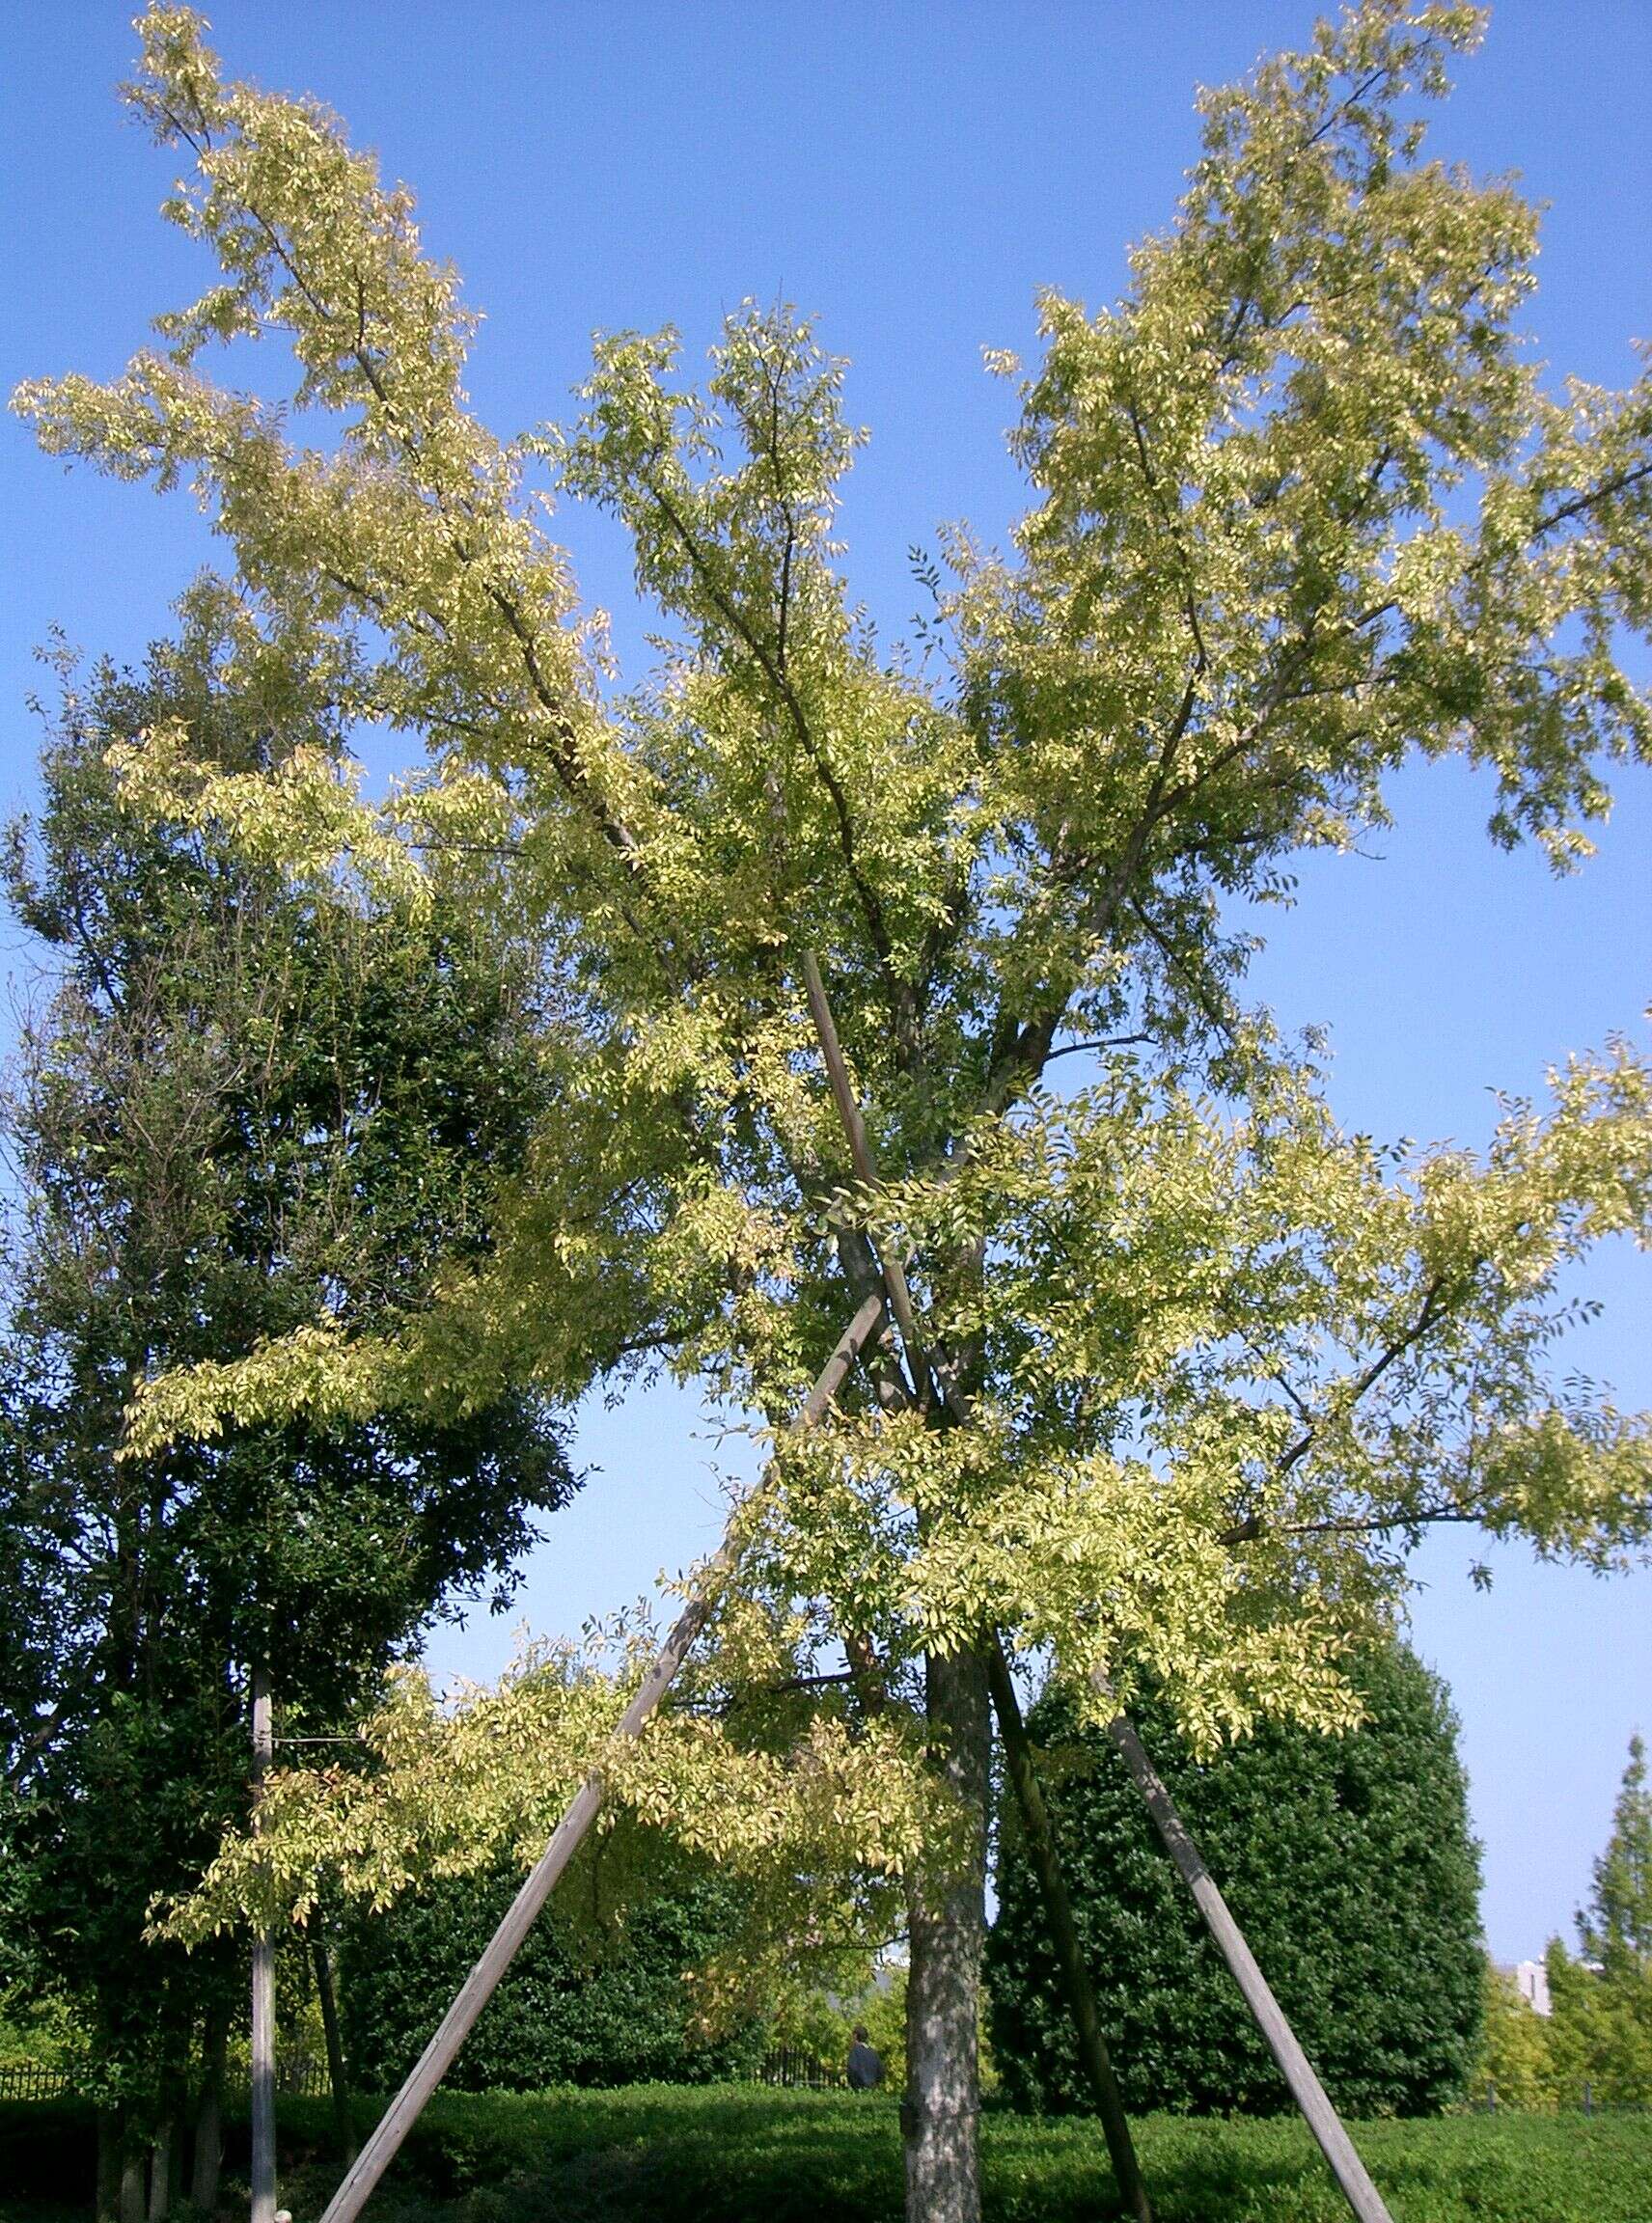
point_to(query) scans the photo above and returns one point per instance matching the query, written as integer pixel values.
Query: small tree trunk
(342, 2124)
(108, 2198)
(1092, 2051)
(941, 2117)
(263, 1980)
(131, 2183)
(160, 2174)
(209, 2115)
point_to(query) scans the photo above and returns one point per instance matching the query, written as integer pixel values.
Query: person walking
(865, 2063)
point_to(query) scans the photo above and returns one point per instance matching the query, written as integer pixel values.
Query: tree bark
(1092, 2051)
(108, 2195)
(209, 2115)
(342, 2124)
(160, 2174)
(131, 2183)
(263, 1980)
(940, 2120)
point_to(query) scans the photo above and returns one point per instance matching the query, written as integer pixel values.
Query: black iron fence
(799, 2071)
(30, 2081)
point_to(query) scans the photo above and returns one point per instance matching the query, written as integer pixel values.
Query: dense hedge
(597, 2001)
(751, 2156)
(1347, 1860)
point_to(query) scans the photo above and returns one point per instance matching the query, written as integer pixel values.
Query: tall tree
(1178, 1374)
(1615, 1928)
(1599, 2035)
(230, 1116)
(1350, 1863)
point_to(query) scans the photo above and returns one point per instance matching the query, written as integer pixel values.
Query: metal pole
(1305, 2089)
(264, 1978)
(456, 2025)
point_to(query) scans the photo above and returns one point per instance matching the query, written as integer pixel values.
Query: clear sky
(911, 172)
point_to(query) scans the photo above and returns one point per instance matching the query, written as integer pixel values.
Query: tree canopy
(230, 1113)
(1182, 1367)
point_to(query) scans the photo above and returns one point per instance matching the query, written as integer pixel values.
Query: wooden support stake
(264, 1978)
(479, 1986)
(865, 1171)
(1093, 2055)
(1305, 2089)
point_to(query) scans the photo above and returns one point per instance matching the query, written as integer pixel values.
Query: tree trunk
(1064, 1937)
(160, 2174)
(131, 2182)
(209, 2115)
(946, 1901)
(263, 1980)
(108, 2197)
(344, 2127)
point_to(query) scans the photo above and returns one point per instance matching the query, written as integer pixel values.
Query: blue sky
(911, 173)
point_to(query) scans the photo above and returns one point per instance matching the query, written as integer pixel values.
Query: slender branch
(781, 682)
(1574, 507)
(1436, 1302)
(1104, 1042)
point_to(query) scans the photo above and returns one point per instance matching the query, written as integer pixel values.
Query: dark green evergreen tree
(227, 1117)
(597, 1995)
(1348, 1861)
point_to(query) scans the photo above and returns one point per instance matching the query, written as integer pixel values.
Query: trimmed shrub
(595, 1997)
(1349, 1864)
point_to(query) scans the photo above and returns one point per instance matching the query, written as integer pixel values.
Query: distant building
(1531, 1979)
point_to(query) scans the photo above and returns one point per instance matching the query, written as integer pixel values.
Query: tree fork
(1093, 2055)
(479, 1986)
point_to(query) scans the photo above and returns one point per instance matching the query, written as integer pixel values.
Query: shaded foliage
(598, 1999)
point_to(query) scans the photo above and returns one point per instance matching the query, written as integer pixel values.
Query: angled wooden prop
(1093, 2056)
(479, 1986)
(1305, 2087)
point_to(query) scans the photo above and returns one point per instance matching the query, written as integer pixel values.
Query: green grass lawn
(746, 2155)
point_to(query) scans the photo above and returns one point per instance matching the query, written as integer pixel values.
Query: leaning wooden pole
(1305, 2089)
(479, 1986)
(1093, 2055)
